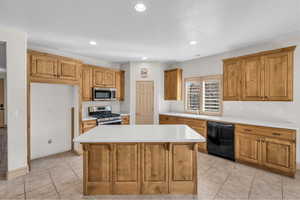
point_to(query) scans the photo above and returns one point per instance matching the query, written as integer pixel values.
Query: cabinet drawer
(193, 123)
(89, 124)
(165, 119)
(279, 133)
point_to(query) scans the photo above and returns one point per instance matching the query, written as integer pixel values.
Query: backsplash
(114, 104)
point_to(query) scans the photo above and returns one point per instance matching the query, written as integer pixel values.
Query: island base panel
(140, 168)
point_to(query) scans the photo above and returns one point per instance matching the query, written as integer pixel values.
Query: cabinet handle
(248, 130)
(276, 134)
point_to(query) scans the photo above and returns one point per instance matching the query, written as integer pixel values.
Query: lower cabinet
(125, 120)
(183, 171)
(155, 168)
(140, 168)
(269, 148)
(88, 125)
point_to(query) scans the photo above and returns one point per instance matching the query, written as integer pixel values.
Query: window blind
(193, 96)
(211, 96)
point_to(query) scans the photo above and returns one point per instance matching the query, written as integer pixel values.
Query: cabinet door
(183, 172)
(248, 148)
(120, 85)
(68, 70)
(231, 80)
(44, 66)
(155, 168)
(279, 76)
(99, 76)
(98, 169)
(279, 155)
(110, 79)
(252, 79)
(126, 164)
(86, 83)
(173, 84)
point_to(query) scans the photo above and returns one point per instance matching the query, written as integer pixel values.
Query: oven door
(104, 94)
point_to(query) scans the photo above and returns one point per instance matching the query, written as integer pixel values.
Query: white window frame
(201, 79)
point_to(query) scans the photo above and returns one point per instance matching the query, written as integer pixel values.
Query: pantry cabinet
(173, 84)
(264, 76)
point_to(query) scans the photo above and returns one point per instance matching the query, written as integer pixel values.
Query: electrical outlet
(49, 141)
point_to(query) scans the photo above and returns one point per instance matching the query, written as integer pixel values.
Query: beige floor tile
(45, 192)
(263, 189)
(36, 181)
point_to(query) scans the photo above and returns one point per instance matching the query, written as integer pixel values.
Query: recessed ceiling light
(193, 42)
(140, 7)
(93, 43)
(144, 58)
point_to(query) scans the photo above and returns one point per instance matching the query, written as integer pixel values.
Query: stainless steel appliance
(104, 115)
(104, 94)
(220, 139)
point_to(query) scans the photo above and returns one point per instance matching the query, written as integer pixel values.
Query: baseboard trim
(16, 173)
(77, 152)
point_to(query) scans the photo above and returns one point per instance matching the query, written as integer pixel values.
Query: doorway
(144, 102)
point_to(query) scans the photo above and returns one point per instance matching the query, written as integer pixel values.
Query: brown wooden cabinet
(86, 83)
(252, 79)
(98, 167)
(104, 77)
(231, 80)
(173, 84)
(88, 125)
(247, 148)
(183, 173)
(155, 168)
(43, 66)
(265, 76)
(140, 168)
(125, 119)
(126, 165)
(48, 68)
(120, 85)
(269, 148)
(279, 76)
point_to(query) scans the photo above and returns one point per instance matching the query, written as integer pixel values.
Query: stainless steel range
(104, 115)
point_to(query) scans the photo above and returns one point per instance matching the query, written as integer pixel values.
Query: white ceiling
(161, 33)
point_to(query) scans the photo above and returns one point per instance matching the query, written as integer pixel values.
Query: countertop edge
(237, 121)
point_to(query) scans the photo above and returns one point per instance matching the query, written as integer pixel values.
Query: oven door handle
(110, 122)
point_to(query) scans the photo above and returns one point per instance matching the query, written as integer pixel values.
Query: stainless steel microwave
(104, 94)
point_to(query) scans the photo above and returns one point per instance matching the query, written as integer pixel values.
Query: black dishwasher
(220, 139)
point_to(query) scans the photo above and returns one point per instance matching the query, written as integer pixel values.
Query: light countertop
(140, 133)
(238, 120)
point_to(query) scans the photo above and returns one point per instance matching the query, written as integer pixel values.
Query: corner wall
(16, 42)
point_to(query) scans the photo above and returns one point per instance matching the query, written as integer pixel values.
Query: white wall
(285, 111)
(16, 97)
(2, 56)
(155, 73)
(50, 118)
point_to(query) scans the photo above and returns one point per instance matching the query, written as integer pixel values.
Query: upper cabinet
(231, 80)
(265, 76)
(53, 69)
(86, 83)
(173, 84)
(104, 77)
(120, 85)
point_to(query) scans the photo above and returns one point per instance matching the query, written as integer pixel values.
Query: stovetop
(104, 115)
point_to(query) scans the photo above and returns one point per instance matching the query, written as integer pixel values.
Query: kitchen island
(140, 159)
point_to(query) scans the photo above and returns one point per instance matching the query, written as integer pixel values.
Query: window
(203, 95)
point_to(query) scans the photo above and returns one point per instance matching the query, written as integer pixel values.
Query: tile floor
(60, 177)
